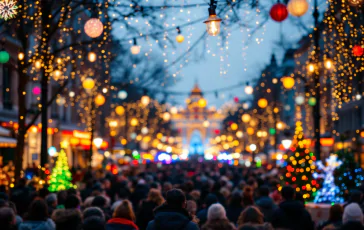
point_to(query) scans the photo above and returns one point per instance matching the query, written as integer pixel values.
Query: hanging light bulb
(328, 63)
(92, 56)
(94, 27)
(21, 56)
(180, 38)
(38, 64)
(145, 100)
(213, 22)
(135, 49)
(248, 89)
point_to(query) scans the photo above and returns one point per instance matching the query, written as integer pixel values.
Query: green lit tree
(349, 175)
(300, 167)
(61, 176)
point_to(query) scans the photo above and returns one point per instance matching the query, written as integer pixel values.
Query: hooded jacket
(37, 225)
(291, 214)
(166, 217)
(267, 207)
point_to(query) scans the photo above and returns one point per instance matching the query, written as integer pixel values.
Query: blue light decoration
(122, 94)
(329, 193)
(164, 158)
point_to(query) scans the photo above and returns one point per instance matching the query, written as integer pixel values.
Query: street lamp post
(316, 109)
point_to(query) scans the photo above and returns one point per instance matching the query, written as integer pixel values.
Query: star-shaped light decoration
(8, 9)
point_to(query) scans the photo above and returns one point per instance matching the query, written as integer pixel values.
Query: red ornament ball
(358, 51)
(236, 99)
(217, 132)
(278, 12)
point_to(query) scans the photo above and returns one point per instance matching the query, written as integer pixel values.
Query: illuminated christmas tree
(300, 166)
(61, 176)
(349, 175)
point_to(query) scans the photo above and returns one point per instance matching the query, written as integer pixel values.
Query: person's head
(191, 207)
(288, 193)
(99, 201)
(352, 212)
(123, 193)
(93, 211)
(235, 199)
(38, 210)
(3, 203)
(251, 215)
(216, 212)
(248, 196)
(210, 200)
(176, 198)
(263, 191)
(67, 219)
(167, 186)
(51, 200)
(93, 223)
(72, 202)
(7, 218)
(61, 197)
(124, 210)
(336, 213)
(155, 196)
(356, 196)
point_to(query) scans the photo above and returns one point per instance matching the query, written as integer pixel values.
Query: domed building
(197, 123)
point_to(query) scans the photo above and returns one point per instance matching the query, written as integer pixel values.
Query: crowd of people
(180, 196)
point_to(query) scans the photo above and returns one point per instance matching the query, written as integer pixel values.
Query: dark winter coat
(166, 217)
(233, 213)
(120, 224)
(351, 225)
(218, 225)
(37, 225)
(336, 224)
(267, 207)
(202, 216)
(292, 214)
(145, 214)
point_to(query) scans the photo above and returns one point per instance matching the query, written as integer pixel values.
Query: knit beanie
(352, 212)
(216, 212)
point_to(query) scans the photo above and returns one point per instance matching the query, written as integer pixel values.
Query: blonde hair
(124, 210)
(155, 196)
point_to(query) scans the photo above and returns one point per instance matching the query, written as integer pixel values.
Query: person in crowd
(67, 219)
(122, 218)
(61, 199)
(72, 202)
(93, 211)
(122, 194)
(248, 196)
(352, 217)
(93, 223)
(18, 219)
(335, 218)
(101, 202)
(7, 219)
(356, 196)
(20, 195)
(172, 214)
(51, 200)
(191, 207)
(265, 203)
(216, 219)
(37, 217)
(202, 214)
(234, 207)
(145, 213)
(291, 214)
(253, 218)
